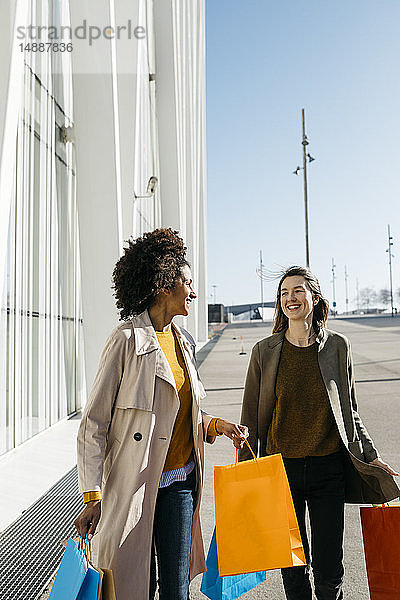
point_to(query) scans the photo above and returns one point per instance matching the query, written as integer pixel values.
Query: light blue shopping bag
(75, 578)
(230, 587)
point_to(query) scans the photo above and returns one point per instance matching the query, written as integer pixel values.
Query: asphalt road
(376, 351)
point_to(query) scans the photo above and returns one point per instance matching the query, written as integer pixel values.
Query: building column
(180, 101)
(96, 180)
(105, 112)
(14, 13)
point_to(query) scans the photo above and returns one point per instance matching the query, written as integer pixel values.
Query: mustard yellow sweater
(181, 445)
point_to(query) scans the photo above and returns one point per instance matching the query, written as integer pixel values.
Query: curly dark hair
(321, 310)
(150, 263)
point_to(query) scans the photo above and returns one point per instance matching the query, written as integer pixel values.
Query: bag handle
(250, 448)
(84, 547)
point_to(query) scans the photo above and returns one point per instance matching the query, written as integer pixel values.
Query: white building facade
(83, 127)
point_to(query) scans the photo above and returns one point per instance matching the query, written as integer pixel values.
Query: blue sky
(266, 60)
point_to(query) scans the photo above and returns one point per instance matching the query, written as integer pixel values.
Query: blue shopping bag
(90, 585)
(229, 587)
(75, 576)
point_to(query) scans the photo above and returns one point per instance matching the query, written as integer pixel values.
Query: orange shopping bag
(381, 536)
(256, 524)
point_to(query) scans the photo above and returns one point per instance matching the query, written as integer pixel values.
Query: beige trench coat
(123, 441)
(365, 483)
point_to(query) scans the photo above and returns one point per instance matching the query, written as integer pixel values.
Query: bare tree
(368, 297)
(384, 297)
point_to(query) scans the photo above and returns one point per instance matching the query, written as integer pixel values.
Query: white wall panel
(40, 321)
(147, 211)
(96, 183)
(116, 154)
(180, 99)
(13, 13)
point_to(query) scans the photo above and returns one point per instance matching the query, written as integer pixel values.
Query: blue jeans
(318, 482)
(172, 536)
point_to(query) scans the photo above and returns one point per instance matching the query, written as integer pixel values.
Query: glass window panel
(42, 374)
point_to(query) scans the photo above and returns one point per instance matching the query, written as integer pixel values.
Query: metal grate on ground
(30, 548)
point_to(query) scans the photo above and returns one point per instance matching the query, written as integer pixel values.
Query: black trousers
(318, 483)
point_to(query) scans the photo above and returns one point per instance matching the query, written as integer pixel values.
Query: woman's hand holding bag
(236, 433)
(86, 522)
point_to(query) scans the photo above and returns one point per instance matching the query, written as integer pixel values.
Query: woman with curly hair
(300, 401)
(141, 440)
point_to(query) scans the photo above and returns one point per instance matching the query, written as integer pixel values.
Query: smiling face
(182, 295)
(296, 298)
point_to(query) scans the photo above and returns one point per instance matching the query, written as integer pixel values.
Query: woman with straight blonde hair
(300, 401)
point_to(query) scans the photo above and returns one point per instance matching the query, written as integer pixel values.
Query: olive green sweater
(302, 422)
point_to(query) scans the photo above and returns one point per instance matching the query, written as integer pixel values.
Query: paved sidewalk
(376, 351)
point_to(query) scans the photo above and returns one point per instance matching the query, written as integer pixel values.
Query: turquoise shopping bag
(230, 587)
(75, 578)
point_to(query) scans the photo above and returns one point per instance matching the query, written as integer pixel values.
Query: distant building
(250, 312)
(216, 313)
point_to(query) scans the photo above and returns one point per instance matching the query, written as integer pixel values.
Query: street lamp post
(333, 288)
(262, 287)
(346, 277)
(214, 287)
(306, 155)
(389, 251)
(358, 296)
(305, 144)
